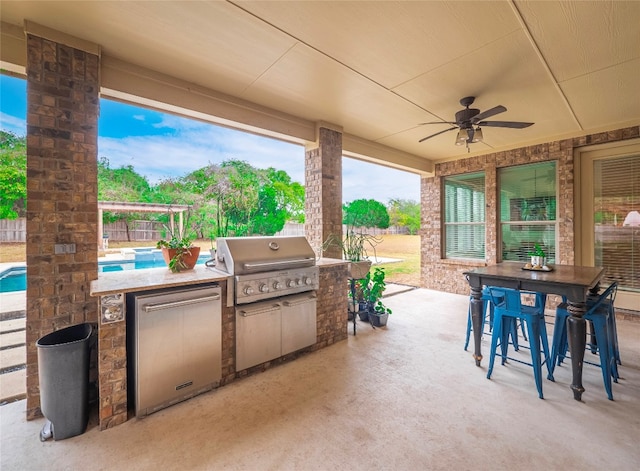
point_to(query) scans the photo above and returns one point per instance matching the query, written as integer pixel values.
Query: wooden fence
(13, 230)
(16, 230)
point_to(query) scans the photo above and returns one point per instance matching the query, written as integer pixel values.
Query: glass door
(609, 228)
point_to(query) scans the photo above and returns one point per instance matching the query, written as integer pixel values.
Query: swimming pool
(15, 278)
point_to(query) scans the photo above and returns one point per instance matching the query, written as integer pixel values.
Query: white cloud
(194, 144)
(12, 124)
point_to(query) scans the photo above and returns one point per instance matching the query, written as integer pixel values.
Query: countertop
(154, 278)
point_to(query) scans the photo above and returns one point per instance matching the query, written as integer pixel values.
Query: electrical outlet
(64, 248)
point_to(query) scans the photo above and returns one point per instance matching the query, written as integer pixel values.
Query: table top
(566, 280)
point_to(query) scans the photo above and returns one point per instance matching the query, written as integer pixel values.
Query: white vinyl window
(464, 216)
(528, 210)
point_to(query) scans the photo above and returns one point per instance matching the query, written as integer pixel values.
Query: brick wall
(446, 275)
(62, 114)
(323, 191)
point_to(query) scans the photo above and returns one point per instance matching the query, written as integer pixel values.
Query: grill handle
(186, 302)
(253, 312)
(277, 264)
(300, 301)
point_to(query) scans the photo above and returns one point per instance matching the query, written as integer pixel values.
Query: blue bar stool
(593, 345)
(508, 309)
(599, 314)
(486, 302)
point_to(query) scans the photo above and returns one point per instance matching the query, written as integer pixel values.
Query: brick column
(62, 114)
(323, 190)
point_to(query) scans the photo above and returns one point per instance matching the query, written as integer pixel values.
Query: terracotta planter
(189, 258)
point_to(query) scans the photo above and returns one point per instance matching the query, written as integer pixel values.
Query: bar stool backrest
(505, 298)
(608, 297)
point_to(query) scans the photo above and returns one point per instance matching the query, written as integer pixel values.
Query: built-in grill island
(274, 282)
(277, 301)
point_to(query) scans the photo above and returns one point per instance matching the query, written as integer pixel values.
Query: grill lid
(242, 255)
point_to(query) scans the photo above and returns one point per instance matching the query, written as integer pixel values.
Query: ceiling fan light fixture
(463, 137)
(477, 135)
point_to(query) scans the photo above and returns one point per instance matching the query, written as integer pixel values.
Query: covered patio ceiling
(373, 69)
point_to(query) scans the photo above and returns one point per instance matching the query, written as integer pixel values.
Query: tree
(405, 213)
(13, 175)
(365, 213)
(121, 184)
(235, 198)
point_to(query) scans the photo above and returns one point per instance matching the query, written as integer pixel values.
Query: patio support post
(323, 189)
(63, 99)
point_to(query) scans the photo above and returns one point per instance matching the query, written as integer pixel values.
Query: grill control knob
(297, 281)
(307, 281)
(248, 291)
(290, 283)
(264, 288)
(277, 285)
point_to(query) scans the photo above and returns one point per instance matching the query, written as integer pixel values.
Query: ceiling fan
(469, 120)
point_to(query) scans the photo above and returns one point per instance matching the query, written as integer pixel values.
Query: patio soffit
(375, 69)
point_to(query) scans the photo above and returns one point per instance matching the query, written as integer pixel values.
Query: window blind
(464, 208)
(617, 219)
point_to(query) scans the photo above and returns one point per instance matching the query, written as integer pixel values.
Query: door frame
(583, 206)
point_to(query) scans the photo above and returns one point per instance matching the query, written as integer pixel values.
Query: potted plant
(354, 248)
(177, 249)
(538, 257)
(372, 288)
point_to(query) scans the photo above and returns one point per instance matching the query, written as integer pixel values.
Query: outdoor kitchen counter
(112, 287)
(326, 262)
(152, 278)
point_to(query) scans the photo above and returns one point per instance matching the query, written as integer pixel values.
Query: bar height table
(574, 282)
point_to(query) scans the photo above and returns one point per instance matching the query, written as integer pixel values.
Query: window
(528, 210)
(464, 216)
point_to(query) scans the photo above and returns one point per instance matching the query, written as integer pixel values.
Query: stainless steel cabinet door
(299, 327)
(258, 333)
(178, 349)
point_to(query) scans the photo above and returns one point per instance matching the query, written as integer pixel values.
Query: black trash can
(63, 371)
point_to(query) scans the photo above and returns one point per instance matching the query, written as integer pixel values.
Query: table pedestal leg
(477, 321)
(577, 332)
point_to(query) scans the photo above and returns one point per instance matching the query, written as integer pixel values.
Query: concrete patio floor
(402, 397)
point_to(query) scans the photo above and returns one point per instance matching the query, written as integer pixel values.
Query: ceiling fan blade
(434, 135)
(487, 114)
(437, 122)
(505, 124)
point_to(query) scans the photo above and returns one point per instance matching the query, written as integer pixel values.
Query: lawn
(403, 247)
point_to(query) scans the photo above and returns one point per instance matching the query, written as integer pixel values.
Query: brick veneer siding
(112, 365)
(446, 275)
(323, 191)
(62, 113)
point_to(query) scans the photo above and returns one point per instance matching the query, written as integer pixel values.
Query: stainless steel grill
(275, 279)
(267, 267)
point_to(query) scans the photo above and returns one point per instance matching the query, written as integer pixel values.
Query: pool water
(15, 278)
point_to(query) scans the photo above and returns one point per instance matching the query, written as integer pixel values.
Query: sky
(161, 145)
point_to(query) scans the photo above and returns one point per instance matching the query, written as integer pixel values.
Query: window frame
(524, 223)
(443, 246)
